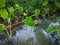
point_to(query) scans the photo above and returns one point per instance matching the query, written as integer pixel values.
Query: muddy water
(30, 35)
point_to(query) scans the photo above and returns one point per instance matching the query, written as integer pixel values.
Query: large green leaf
(2, 3)
(4, 13)
(1, 27)
(37, 12)
(52, 29)
(28, 21)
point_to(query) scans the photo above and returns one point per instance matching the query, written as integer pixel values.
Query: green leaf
(2, 3)
(45, 3)
(28, 21)
(52, 29)
(20, 9)
(4, 13)
(37, 12)
(1, 27)
(11, 9)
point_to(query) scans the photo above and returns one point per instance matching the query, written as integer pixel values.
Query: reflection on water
(28, 36)
(25, 35)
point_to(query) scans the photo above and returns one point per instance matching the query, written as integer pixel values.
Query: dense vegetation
(13, 12)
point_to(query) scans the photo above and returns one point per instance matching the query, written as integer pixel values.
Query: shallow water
(30, 35)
